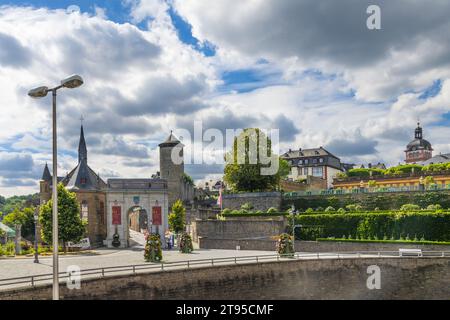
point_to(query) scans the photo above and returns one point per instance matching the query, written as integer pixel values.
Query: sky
(311, 69)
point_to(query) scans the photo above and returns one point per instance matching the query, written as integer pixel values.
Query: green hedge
(385, 241)
(370, 201)
(395, 225)
(255, 214)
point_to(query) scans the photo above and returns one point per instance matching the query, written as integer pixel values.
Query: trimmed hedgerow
(432, 226)
(425, 242)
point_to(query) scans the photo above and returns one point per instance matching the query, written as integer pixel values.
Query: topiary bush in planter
(153, 251)
(186, 243)
(285, 245)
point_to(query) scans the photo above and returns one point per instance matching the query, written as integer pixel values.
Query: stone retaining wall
(259, 200)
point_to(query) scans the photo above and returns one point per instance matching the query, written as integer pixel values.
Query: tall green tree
(25, 218)
(177, 218)
(70, 225)
(249, 162)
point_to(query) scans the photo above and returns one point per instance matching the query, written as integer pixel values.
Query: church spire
(82, 150)
(46, 176)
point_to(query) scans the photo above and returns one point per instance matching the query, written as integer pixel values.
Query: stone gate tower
(171, 169)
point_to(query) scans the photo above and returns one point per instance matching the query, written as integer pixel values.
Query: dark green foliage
(188, 179)
(370, 201)
(70, 225)
(420, 242)
(433, 226)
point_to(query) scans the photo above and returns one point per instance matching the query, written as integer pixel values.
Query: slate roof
(46, 176)
(82, 177)
(296, 157)
(441, 158)
(171, 141)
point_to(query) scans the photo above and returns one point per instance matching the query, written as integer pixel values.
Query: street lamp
(36, 253)
(40, 92)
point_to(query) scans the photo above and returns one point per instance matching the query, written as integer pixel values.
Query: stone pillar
(18, 238)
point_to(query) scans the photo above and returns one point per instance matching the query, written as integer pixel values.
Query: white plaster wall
(125, 201)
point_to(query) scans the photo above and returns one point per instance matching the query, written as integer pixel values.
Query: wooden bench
(410, 252)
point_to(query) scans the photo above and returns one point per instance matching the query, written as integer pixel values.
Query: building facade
(318, 163)
(90, 190)
(111, 209)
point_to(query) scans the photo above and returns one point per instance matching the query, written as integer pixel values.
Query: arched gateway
(137, 204)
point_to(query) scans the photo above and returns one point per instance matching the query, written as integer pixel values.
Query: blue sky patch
(433, 90)
(185, 35)
(246, 80)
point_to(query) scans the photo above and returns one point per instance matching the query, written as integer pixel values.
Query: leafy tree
(23, 217)
(177, 218)
(70, 225)
(248, 160)
(188, 179)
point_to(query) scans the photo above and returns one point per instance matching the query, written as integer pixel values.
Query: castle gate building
(137, 204)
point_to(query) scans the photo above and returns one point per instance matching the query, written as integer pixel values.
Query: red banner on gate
(116, 215)
(156, 216)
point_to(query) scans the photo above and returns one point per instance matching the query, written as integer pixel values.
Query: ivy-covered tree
(250, 163)
(177, 218)
(70, 225)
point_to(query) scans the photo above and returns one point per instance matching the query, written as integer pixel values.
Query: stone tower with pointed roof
(171, 166)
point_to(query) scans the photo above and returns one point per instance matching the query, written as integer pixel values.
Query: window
(300, 161)
(320, 160)
(306, 161)
(102, 212)
(314, 161)
(84, 210)
(317, 172)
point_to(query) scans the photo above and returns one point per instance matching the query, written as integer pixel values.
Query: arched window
(84, 210)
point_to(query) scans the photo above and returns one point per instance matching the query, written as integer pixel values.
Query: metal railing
(95, 273)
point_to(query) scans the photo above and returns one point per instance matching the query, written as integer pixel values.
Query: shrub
(247, 206)
(319, 209)
(309, 210)
(410, 207)
(341, 210)
(259, 212)
(226, 211)
(353, 207)
(272, 210)
(434, 207)
(330, 209)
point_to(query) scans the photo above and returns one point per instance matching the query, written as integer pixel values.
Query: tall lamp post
(72, 82)
(36, 218)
